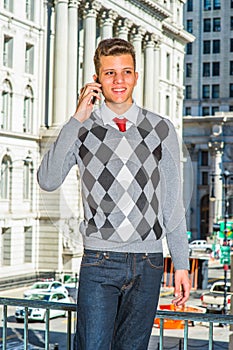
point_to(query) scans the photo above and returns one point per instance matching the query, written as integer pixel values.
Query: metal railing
(162, 315)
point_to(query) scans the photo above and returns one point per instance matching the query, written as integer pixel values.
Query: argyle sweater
(131, 188)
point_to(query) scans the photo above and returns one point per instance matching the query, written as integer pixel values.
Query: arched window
(28, 110)
(5, 177)
(27, 179)
(6, 110)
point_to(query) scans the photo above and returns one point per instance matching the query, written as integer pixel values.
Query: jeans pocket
(92, 259)
(155, 261)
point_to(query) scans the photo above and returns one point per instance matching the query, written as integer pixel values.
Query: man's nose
(118, 78)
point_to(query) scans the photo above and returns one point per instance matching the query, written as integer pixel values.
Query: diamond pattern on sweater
(120, 178)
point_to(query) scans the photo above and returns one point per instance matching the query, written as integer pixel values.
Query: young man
(130, 171)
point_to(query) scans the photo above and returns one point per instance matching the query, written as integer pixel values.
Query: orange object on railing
(176, 324)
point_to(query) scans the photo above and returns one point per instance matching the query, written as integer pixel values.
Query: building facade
(209, 59)
(48, 49)
(208, 103)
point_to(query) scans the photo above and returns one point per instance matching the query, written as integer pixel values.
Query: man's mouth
(119, 90)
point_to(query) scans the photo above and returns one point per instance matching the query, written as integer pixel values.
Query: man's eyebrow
(115, 69)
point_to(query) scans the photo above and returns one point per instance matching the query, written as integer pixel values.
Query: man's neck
(119, 108)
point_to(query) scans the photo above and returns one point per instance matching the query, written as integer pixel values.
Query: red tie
(121, 123)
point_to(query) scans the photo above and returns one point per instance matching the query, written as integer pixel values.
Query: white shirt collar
(107, 114)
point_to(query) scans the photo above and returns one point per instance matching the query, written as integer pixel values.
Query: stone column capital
(90, 8)
(124, 24)
(138, 32)
(108, 16)
(73, 3)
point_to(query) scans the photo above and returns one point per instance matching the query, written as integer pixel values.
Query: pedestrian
(129, 164)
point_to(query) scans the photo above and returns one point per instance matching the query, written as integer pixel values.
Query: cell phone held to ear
(93, 100)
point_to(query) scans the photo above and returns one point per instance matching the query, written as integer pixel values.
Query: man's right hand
(85, 105)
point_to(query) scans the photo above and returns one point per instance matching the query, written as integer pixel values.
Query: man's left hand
(182, 287)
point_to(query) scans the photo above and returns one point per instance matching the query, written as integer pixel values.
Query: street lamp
(225, 251)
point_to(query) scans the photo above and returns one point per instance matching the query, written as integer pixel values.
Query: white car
(51, 286)
(39, 314)
(200, 245)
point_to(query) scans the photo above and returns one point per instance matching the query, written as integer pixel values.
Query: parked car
(72, 287)
(200, 245)
(214, 299)
(39, 314)
(48, 286)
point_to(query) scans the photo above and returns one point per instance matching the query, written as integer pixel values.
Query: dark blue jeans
(117, 300)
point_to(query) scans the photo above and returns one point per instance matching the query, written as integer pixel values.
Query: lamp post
(225, 249)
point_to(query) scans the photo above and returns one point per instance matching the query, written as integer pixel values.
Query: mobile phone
(93, 100)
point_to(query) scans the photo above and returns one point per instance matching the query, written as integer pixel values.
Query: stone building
(48, 48)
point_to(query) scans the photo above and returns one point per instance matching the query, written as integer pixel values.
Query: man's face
(118, 79)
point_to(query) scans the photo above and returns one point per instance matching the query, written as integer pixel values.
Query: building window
(6, 110)
(215, 69)
(28, 244)
(206, 69)
(216, 46)
(6, 246)
(8, 5)
(29, 59)
(215, 109)
(204, 158)
(231, 24)
(206, 46)
(28, 110)
(167, 107)
(205, 111)
(188, 92)
(188, 110)
(189, 70)
(217, 24)
(8, 51)
(189, 25)
(207, 25)
(231, 90)
(30, 10)
(215, 91)
(207, 5)
(189, 48)
(205, 91)
(168, 61)
(178, 72)
(204, 178)
(189, 5)
(217, 4)
(5, 180)
(231, 67)
(27, 179)
(232, 4)
(231, 45)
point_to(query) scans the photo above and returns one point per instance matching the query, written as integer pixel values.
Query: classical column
(137, 35)
(72, 66)
(60, 62)
(123, 27)
(107, 20)
(90, 13)
(156, 75)
(149, 71)
(216, 210)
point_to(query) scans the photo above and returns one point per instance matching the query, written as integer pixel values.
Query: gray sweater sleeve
(172, 201)
(60, 158)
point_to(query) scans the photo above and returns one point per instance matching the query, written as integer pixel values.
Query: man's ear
(95, 78)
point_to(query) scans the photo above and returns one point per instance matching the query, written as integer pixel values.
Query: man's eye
(128, 72)
(109, 73)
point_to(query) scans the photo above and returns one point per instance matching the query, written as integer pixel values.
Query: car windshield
(40, 286)
(44, 297)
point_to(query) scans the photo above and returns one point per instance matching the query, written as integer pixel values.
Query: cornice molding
(152, 8)
(179, 33)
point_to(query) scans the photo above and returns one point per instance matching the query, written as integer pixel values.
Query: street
(198, 335)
